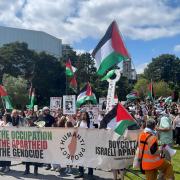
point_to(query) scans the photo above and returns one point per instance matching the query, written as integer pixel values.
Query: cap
(45, 108)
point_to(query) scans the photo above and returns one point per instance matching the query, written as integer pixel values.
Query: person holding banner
(84, 123)
(49, 121)
(30, 123)
(150, 156)
(7, 122)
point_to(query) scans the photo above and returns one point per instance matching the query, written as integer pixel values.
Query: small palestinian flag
(73, 83)
(151, 91)
(110, 50)
(132, 96)
(85, 95)
(5, 98)
(119, 119)
(70, 70)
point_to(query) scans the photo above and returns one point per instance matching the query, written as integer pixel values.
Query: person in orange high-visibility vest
(149, 154)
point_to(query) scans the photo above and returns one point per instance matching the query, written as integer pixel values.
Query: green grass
(175, 163)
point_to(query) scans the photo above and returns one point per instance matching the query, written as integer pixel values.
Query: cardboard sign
(55, 103)
(69, 104)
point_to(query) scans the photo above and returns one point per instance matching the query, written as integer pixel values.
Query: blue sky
(149, 27)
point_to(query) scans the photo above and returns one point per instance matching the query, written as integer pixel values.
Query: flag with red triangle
(85, 95)
(151, 91)
(70, 70)
(5, 98)
(73, 83)
(119, 119)
(110, 50)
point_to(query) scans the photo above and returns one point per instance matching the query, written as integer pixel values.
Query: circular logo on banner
(72, 146)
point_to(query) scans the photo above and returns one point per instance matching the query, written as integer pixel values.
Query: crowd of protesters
(166, 116)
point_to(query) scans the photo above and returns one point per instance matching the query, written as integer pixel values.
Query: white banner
(55, 103)
(69, 104)
(68, 146)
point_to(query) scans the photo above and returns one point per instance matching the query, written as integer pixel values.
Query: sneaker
(53, 169)
(79, 176)
(2, 169)
(7, 169)
(58, 169)
(48, 168)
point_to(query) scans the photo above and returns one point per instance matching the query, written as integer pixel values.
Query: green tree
(166, 67)
(141, 87)
(17, 90)
(161, 88)
(48, 78)
(123, 87)
(17, 60)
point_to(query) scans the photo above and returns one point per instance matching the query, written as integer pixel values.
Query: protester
(69, 124)
(30, 123)
(176, 126)
(17, 120)
(149, 154)
(84, 123)
(49, 121)
(7, 122)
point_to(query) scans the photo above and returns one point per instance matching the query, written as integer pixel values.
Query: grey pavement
(17, 173)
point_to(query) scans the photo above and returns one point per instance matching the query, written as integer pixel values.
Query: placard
(69, 104)
(55, 103)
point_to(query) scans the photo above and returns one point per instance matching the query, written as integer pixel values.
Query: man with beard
(47, 120)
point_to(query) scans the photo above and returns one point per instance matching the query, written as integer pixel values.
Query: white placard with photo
(55, 103)
(93, 111)
(69, 104)
(102, 103)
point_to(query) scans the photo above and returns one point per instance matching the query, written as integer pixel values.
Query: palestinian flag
(132, 96)
(108, 75)
(5, 98)
(110, 50)
(73, 83)
(70, 70)
(85, 95)
(151, 91)
(118, 119)
(32, 99)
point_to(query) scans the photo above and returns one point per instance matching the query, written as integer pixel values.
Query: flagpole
(3, 103)
(66, 85)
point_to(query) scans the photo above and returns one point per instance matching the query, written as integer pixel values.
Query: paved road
(17, 173)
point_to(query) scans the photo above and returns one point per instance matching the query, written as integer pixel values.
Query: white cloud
(73, 20)
(140, 68)
(177, 48)
(80, 51)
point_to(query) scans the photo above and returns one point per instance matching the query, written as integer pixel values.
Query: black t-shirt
(48, 119)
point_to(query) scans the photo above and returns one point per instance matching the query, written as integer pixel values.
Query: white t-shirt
(83, 124)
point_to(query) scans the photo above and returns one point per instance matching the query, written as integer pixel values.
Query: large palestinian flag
(110, 50)
(118, 119)
(5, 98)
(85, 95)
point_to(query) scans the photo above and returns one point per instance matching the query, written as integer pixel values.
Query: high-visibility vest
(149, 161)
